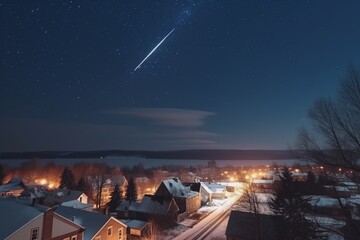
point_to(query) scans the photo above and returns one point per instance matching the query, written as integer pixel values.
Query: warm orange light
(43, 181)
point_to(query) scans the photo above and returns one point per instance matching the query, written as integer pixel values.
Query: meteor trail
(138, 66)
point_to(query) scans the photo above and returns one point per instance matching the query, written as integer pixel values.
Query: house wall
(62, 227)
(83, 198)
(115, 230)
(193, 203)
(205, 193)
(25, 231)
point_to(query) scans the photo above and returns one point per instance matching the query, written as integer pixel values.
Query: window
(74, 237)
(98, 238)
(68, 238)
(120, 233)
(109, 231)
(34, 234)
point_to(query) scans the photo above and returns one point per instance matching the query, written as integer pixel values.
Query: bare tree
(334, 139)
(152, 231)
(249, 201)
(98, 180)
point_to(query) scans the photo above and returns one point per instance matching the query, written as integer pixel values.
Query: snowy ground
(194, 223)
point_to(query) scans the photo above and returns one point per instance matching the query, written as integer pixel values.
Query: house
(108, 185)
(97, 226)
(163, 210)
(327, 206)
(60, 196)
(136, 229)
(200, 187)
(241, 226)
(13, 188)
(217, 190)
(262, 185)
(24, 220)
(187, 200)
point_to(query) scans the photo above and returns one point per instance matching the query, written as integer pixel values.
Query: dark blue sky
(233, 74)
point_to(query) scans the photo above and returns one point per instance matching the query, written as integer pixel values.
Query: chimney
(48, 223)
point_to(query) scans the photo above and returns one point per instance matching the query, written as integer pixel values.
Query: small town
(95, 201)
(179, 120)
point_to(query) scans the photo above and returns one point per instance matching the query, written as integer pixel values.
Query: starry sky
(232, 75)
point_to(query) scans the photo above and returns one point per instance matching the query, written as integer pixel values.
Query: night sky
(233, 74)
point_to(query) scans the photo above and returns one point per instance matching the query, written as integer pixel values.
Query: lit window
(109, 231)
(74, 237)
(35, 234)
(98, 238)
(120, 233)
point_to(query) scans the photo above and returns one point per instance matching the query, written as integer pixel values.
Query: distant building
(13, 188)
(60, 196)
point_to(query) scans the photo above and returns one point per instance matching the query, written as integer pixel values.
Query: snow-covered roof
(177, 189)
(205, 187)
(152, 204)
(262, 181)
(76, 204)
(134, 224)
(92, 221)
(62, 195)
(321, 201)
(15, 214)
(215, 187)
(13, 185)
(339, 188)
(353, 200)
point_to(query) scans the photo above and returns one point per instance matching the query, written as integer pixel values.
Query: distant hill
(199, 154)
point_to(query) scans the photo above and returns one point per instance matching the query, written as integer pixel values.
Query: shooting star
(138, 66)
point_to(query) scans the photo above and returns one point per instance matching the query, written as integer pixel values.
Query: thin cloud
(172, 117)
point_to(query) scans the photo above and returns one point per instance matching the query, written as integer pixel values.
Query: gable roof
(76, 204)
(13, 185)
(177, 189)
(134, 224)
(241, 225)
(154, 205)
(92, 221)
(10, 210)
(62, 195)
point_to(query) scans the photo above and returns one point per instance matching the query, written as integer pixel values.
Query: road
(206, 226)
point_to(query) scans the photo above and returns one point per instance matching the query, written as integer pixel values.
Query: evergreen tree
(115, 198)
(81, 184)
(67, 179)
(131, 191)
(291, 206)
(2, 175)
